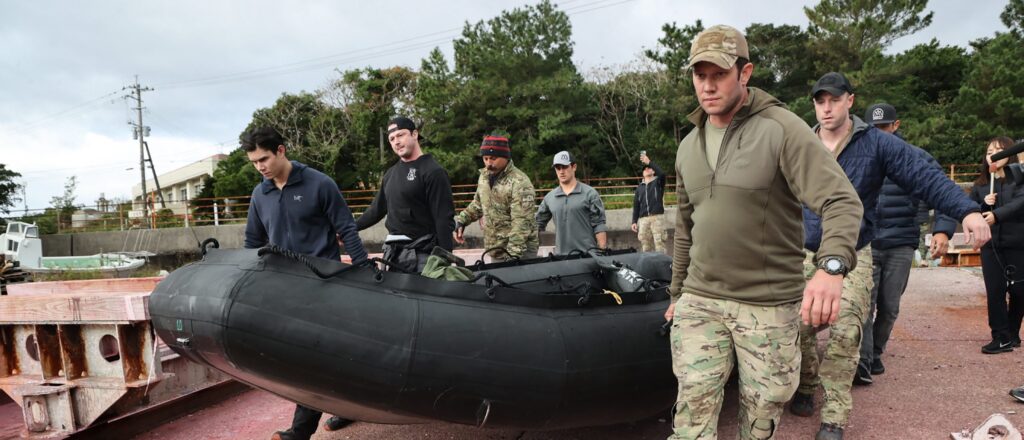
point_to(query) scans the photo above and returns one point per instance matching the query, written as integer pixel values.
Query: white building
(178, 186)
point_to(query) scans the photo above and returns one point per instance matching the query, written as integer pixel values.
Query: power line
(376, 51)
(245, 76)
(70, 110)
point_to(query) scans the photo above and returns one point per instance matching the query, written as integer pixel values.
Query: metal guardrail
(616, 192)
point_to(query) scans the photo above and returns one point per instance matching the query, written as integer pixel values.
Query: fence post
(216, 215)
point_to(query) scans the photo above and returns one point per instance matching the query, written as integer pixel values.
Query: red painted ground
(937, 382)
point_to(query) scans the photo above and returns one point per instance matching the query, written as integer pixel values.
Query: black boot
(877, 367)
(829, 431)
(802, 404)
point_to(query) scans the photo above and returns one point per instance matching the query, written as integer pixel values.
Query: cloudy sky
(211, 64)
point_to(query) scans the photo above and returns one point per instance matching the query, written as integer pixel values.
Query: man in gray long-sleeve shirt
(576, 208)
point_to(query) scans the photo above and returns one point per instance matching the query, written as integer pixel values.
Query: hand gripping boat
(535, 344)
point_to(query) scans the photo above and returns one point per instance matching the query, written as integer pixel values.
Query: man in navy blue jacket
(892, 251)
(867, 155)
(302, 210)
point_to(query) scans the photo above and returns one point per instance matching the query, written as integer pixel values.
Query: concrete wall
(178, 240)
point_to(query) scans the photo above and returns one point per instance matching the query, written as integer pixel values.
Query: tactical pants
(923, 248)
(835, 371)
(651, 232)
(708, 337)
(889, 279)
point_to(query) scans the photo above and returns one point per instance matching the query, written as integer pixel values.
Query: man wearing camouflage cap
(737, 288)
(506, 200)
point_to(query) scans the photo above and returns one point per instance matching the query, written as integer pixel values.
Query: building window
(184, 194)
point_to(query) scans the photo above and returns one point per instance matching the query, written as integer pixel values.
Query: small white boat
(21, 243)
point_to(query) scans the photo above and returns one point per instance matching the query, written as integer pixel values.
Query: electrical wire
(367, 53)
(78, 108)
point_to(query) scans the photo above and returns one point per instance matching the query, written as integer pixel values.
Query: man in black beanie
(506, 200)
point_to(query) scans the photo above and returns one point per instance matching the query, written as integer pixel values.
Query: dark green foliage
(235, 176)
(8, 188)
(514, 74)
(1013, 17)
(781, 64)
(844, 33)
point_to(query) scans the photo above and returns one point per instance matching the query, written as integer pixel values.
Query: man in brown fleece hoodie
(737, 285)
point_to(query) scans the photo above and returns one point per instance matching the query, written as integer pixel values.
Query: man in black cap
(649, 207)
(867, 155)
(892, 251)
(416, 196)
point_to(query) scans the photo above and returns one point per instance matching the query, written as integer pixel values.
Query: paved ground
(937, 382)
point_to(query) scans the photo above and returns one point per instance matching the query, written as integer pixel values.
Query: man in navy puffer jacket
(896, 240)
(867, 155)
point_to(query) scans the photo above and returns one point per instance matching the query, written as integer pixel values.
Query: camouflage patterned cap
(719, 44)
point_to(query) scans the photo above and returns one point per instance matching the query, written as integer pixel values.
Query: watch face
(833, 265)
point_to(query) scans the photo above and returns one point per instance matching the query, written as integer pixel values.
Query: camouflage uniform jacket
(508, 208)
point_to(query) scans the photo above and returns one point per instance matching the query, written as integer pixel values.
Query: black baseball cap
(401, 123)
(834, 83)
(880, 114)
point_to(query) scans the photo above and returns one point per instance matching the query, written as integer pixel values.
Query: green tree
(366, 99)
(311, 128)
(65, 204)
(8, 188)
(921, 83)
(781, 64)
(235, 176)
(676, 99)
(202, 204)
(1013, 17)
(632, 117)
(989, 101)
(846, 32)
(512, 73)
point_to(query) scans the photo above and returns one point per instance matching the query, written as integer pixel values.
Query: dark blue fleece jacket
(870, 157)
(305, 216)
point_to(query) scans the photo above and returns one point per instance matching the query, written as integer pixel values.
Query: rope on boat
(277, 250)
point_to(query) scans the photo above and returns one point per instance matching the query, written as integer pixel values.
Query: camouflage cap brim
(720, 59)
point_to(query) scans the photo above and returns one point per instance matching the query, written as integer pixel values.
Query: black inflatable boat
(533, 344)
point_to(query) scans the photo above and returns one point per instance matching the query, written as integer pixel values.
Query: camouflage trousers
(921, 246)
(835, 371)
(651, 232)
(708, 337)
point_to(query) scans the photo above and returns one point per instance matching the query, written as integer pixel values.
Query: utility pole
(139, 132)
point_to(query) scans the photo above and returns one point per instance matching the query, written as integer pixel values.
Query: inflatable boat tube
(535, 344)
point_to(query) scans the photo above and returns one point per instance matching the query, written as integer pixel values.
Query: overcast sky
(212, 63)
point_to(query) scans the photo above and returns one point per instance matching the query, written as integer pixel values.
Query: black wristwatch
(833, 266)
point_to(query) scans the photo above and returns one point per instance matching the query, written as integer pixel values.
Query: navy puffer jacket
(870, 157)
(899, 215)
